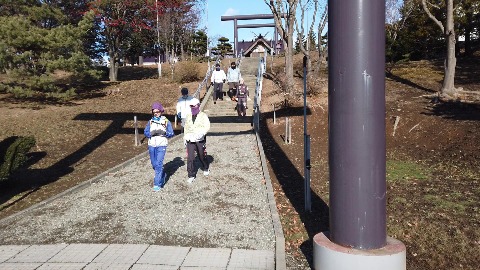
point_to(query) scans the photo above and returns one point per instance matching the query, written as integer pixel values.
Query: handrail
(239, 59)
(258, 92)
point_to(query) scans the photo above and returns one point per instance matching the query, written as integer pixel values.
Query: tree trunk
(448, 87)
(287, 36)
(159, 67)
(468, 31)
(300, 29)
(289, 69)
(182, 52)
(113, 70)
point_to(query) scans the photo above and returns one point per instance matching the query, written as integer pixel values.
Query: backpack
(242, 91)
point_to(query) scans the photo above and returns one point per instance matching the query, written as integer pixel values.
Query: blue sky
(218, 8)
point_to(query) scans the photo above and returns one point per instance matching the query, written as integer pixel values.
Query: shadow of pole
(409, 83)
(292, 184)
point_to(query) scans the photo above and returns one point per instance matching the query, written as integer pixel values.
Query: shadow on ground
(28, 180)
(456, 110)
(292, 183)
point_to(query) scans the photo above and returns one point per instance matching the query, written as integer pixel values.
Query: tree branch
(430, 15)
(277, 17)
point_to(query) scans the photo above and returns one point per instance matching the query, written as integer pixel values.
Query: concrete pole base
(330, 256)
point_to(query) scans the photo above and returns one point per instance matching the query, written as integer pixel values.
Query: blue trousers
(157, 154)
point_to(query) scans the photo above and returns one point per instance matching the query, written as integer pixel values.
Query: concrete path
(130, 256)
(32, 246)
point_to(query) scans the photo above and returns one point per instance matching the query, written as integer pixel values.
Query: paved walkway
(36, 248)
(129, 256)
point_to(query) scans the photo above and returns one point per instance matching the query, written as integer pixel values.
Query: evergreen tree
(199, 43)
(468, 18)
(299, 39)
(419, 38)
(223, 46)
(37, 43)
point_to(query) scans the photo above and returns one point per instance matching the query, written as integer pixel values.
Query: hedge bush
(14, 152)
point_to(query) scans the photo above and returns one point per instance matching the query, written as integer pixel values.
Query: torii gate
(250, 17)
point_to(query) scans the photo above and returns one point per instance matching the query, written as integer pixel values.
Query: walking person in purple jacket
(242, 96)
(158, 130)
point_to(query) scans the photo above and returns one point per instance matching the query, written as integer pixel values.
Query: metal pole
(235, 36)
(357, 123)
(306, 142)
(308, 166)
(305, 95)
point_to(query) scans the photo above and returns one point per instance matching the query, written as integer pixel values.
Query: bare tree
(322, 50)
(300, 29)
(159, 67)
(285, 28)
(448, 87)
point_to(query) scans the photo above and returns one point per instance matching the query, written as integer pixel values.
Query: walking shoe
(207, 172)
(156, 188)
(190, 180)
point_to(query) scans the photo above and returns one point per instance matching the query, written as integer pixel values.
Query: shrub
(3, 88)
(14, 150)
(19, 92)
(187, 71)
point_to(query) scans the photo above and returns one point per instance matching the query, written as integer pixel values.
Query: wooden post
(286, 130)
(290, 131)
(274, 115)
(135, 125)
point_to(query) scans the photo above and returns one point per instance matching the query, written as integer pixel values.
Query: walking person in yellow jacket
(196, 127)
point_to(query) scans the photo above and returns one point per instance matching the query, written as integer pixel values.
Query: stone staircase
(223, 116)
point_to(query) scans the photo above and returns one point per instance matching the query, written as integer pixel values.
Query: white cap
(194, 101)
